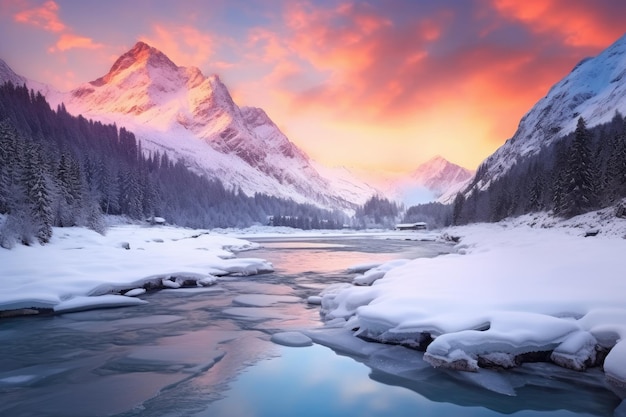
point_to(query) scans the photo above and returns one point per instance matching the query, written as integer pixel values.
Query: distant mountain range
(194, 118)
(435, 180)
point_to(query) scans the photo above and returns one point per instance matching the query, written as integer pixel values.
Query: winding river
(207, 352)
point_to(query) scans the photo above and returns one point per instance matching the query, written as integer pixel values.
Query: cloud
(451, 77)
(69, 41)
(390, 63)
(185, 45)
(367, 52)
(579, 22)
(45, 17)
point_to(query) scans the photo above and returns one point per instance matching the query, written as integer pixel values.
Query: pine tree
(615, 173)
(536, 191)
(457, 210)
(38, 195)
(579, 191)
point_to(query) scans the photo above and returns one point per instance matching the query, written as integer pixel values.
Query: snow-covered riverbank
(80, 269)
(531, 288)
(513, 293)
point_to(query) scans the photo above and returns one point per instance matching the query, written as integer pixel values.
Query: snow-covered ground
(524, 289)
(80, 269)
(527, 285)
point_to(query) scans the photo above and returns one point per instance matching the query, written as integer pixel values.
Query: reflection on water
(331, 256)
(332, 385)
(207, 352)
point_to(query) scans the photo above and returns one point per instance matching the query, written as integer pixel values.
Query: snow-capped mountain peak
(438, 174)
(436, 179)
(141, 55)
(193, 117)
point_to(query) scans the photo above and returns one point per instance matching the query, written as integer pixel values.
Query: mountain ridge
(591, 90)
(194, 118)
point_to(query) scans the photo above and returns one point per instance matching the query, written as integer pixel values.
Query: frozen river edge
(493, 317)
(512, 294)
(82, 270)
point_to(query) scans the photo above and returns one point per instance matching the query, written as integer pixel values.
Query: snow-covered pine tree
(457, 209)
(7, 139)
(615, 173)
(579, 194)
(38, 194)
(130, 194)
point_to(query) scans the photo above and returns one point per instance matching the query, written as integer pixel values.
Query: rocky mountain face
(194, 118)
(595, 90)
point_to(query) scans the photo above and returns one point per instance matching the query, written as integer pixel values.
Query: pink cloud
(393, 67)
(69, 41)
(377, 65)
(579, 22)
(185, 45)
(45, 17)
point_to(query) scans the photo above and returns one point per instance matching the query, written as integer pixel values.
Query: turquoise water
(208, 353)
(314, 381)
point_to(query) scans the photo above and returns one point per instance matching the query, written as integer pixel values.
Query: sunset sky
(378, 86)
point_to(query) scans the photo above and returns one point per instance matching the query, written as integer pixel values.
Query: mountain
(194, 118)
(7, 74)
(595, 89)
(440, 176)
(436, 179)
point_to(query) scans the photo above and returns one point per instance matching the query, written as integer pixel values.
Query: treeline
(60, 170)
(434, 214)
(311, 222)
(584, 171)
(377, 212)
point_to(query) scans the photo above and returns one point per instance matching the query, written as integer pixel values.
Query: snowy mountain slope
(344, 182)
(438, 175)
(193, 117)
(7, 74)
(435, 180)
(595, 90)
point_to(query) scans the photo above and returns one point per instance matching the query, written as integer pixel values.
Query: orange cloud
(336, 39)
(70, 41)
(266, 45)
(452, 81)
(45, 17)
(185, 45)
(580, 22)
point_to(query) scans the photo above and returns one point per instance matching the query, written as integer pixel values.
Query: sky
(377, 86)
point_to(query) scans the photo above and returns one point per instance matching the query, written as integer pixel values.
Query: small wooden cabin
(411, 226)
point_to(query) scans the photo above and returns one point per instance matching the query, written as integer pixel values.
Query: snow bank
(81, 303)
(511, 294)
(78, 265)
(293, 339)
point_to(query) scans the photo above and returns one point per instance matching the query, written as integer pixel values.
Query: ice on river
(79, 264)
(509, 293)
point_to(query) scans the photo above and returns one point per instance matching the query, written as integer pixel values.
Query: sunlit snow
(511, 290)
(81, 269)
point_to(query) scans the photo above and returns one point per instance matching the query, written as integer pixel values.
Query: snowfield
(81, 269)
(512, 293)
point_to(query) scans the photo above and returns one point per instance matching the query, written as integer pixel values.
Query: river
(207, 352)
